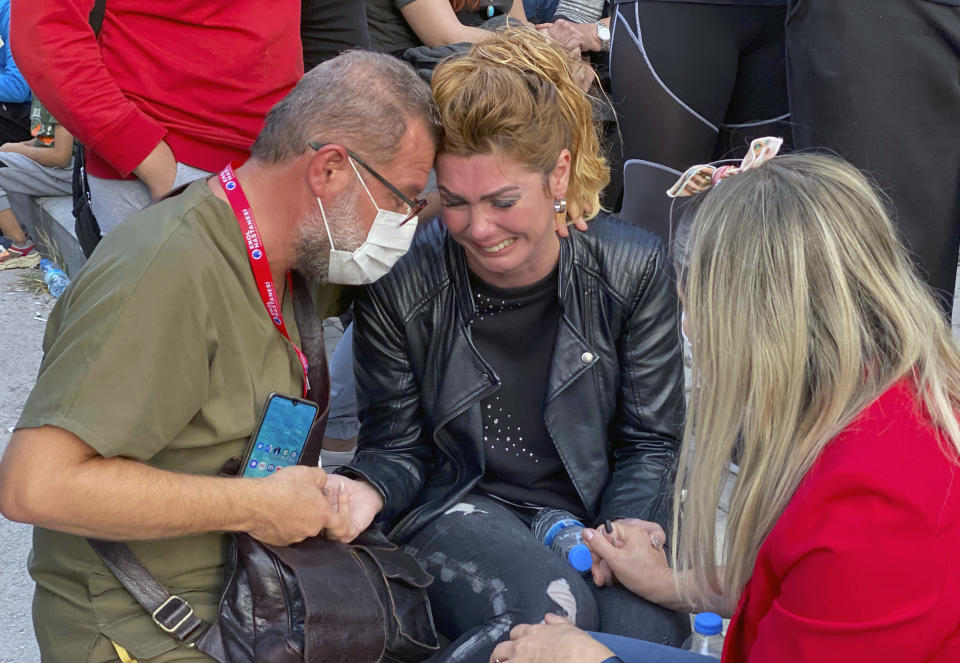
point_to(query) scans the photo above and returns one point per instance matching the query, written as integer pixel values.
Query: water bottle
(561, 532)
(55, 278)
(707, 636)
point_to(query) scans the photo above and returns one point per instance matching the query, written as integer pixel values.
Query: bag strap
(80, 184)
(88, 236)
(310, 328)
(95, 19)
(170, 612)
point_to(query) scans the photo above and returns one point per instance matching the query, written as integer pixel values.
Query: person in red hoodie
(167, 91)
(823, 362)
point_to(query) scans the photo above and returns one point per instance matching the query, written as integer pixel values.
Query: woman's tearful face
(502, 213)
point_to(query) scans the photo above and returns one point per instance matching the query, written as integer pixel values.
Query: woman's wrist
(667, 588)
(659, 588)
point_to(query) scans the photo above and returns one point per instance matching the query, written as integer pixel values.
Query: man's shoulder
(171, 253)
(176, 235)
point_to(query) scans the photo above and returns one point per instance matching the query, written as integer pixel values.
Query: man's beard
(313, 247)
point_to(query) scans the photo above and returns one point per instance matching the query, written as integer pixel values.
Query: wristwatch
(603, 33)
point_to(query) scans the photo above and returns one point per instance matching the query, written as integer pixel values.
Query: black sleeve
(391, 450)
(647, 429)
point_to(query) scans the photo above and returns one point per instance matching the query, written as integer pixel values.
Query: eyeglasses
(413, 207)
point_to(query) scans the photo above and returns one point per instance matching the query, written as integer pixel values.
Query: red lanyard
(258, 261)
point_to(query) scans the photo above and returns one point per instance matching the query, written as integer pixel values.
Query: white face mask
(386, 243)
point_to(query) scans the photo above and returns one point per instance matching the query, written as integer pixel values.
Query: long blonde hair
(514, 92)
(802, 308)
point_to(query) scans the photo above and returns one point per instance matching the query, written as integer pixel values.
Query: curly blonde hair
(515, 93)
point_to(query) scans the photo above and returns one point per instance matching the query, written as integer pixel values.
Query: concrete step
(51, 217)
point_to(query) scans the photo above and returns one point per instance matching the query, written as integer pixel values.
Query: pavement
(23, 318)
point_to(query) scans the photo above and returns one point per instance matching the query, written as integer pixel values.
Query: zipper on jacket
(397, 530)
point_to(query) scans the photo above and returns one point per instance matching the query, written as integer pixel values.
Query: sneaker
(15, 251)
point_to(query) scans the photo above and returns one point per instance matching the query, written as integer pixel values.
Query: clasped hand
(632, 555)
(301, 502)
(296, 504)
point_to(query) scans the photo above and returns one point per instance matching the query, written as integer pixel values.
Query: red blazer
(864, 564)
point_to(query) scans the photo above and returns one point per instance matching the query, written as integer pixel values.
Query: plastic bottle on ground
(707, 636)
(55, 278)
(561, 532)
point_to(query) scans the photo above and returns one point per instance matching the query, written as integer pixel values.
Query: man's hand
(158, 171)
(365, 502)
(293, 507)
(563, 230)
(580, 36)
(555, 641)
(51, 478)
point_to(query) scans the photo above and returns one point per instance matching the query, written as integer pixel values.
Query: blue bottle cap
(708, 623)
(579, 558)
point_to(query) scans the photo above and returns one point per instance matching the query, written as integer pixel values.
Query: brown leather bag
(317, 601)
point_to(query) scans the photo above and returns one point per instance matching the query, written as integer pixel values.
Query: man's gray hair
(359, 99)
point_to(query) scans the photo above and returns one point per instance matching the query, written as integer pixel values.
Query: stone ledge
(53, 216)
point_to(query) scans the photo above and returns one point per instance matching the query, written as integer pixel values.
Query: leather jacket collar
(459, 273)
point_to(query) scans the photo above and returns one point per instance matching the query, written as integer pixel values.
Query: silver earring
(560, 205)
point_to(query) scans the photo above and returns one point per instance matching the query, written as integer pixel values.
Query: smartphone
(280, 435)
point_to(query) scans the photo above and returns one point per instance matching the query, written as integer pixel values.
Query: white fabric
(386, 243)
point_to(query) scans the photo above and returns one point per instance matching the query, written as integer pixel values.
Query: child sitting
(40, 166)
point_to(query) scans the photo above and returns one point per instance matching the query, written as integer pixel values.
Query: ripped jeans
(492, 574)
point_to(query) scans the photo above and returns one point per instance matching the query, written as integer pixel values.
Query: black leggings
(695, 82)
(878, 81)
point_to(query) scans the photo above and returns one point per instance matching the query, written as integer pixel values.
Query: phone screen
(279, 439)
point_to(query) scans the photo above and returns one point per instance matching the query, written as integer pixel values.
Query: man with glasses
(163, 351)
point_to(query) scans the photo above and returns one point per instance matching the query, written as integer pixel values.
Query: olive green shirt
(161, 350)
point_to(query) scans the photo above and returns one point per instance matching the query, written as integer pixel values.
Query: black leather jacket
(614, 404)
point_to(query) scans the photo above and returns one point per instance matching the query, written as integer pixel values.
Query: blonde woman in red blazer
(821, 358)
